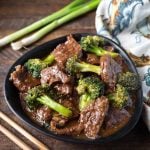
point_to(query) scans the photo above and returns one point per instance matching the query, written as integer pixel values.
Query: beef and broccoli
(82, 88)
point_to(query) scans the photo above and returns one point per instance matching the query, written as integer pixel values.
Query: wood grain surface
(17, 14)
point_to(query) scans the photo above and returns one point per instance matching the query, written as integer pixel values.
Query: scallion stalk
(16, 35)
(78, 11)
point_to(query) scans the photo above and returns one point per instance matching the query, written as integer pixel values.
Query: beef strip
(121, 61)
(58, 121)
(115, 119)
(116, 116)
(109, 48)
(43, 114)
(110, 69)
(59, 124)
(22, 79)
(91, 120)
(53, 74)
(92, 59)
(72, 129)
(92, 117)
(64, 89)
(66, 50)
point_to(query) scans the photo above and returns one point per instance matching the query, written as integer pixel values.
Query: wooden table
(17, 14)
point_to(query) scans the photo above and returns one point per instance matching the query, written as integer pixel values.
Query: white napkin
(127, 22)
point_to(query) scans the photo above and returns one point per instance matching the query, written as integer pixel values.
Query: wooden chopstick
(14, 138)
(39, 144)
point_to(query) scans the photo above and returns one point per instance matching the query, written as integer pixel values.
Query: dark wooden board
(17, 14)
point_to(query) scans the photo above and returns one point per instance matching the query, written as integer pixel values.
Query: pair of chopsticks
(15, 139)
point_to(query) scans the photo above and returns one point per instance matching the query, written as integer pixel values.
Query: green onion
(78, 11)
(66, 10)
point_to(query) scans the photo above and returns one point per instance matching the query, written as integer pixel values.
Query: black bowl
(12, 96)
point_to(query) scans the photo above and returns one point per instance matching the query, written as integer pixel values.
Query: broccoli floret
(73, 66)
(34, 66)
(129, 80)
(37, 96)
(119, 97)
(89, 88)
(35, 92)
(92, 44)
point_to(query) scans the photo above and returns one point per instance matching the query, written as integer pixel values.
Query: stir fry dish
(82, 88)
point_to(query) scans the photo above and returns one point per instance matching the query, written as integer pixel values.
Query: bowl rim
(119, 134)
